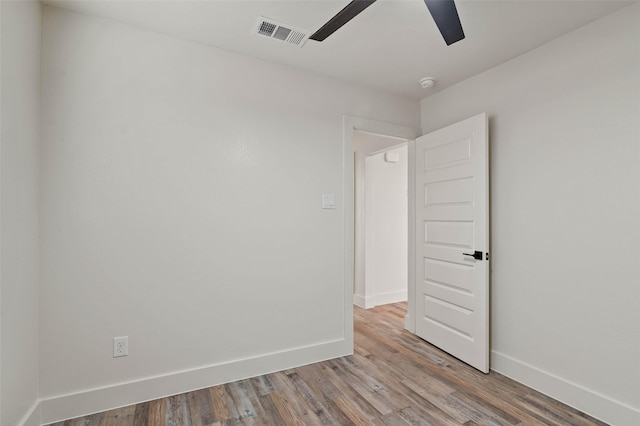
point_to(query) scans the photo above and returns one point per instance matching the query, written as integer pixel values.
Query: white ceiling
(389, 46)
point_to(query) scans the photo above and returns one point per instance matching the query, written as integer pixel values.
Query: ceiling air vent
(276, 30)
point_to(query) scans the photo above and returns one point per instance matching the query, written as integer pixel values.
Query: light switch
(328, 201)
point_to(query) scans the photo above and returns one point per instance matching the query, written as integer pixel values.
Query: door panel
(451, 218)
(449, 192)
(446, 154)
(449, 233)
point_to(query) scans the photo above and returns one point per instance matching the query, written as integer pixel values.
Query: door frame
(349, 125)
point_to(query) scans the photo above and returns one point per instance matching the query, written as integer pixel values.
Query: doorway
(352, 124)
(445, 165)
(381, 219)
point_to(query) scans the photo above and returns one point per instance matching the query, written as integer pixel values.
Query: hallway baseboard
(367, 302)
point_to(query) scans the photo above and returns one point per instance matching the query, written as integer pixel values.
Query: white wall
(366, 144)
(386, 229)
(20, 76)
(565, 192)
(181, 206)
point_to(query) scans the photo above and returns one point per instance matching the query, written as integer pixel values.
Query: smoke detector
(427, 82)
(282, 32)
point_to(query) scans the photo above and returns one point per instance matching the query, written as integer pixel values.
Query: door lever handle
(477, 255)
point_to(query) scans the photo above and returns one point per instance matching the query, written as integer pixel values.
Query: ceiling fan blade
(445, 14)
(341, 18)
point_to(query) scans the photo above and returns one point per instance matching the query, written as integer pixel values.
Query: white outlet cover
(120, 346)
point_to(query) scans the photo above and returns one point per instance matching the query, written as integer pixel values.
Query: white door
(452, 226)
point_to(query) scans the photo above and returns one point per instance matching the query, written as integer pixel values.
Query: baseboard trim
(374, 300)
(33, 416)
(593, 403)
(63, 407)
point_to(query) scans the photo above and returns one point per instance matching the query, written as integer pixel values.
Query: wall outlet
(120, 346)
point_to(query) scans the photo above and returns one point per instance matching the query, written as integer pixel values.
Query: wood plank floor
(393, 378)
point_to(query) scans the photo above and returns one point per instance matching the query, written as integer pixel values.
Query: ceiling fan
(444, 12)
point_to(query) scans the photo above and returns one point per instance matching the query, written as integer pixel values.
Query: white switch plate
(328, 201)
